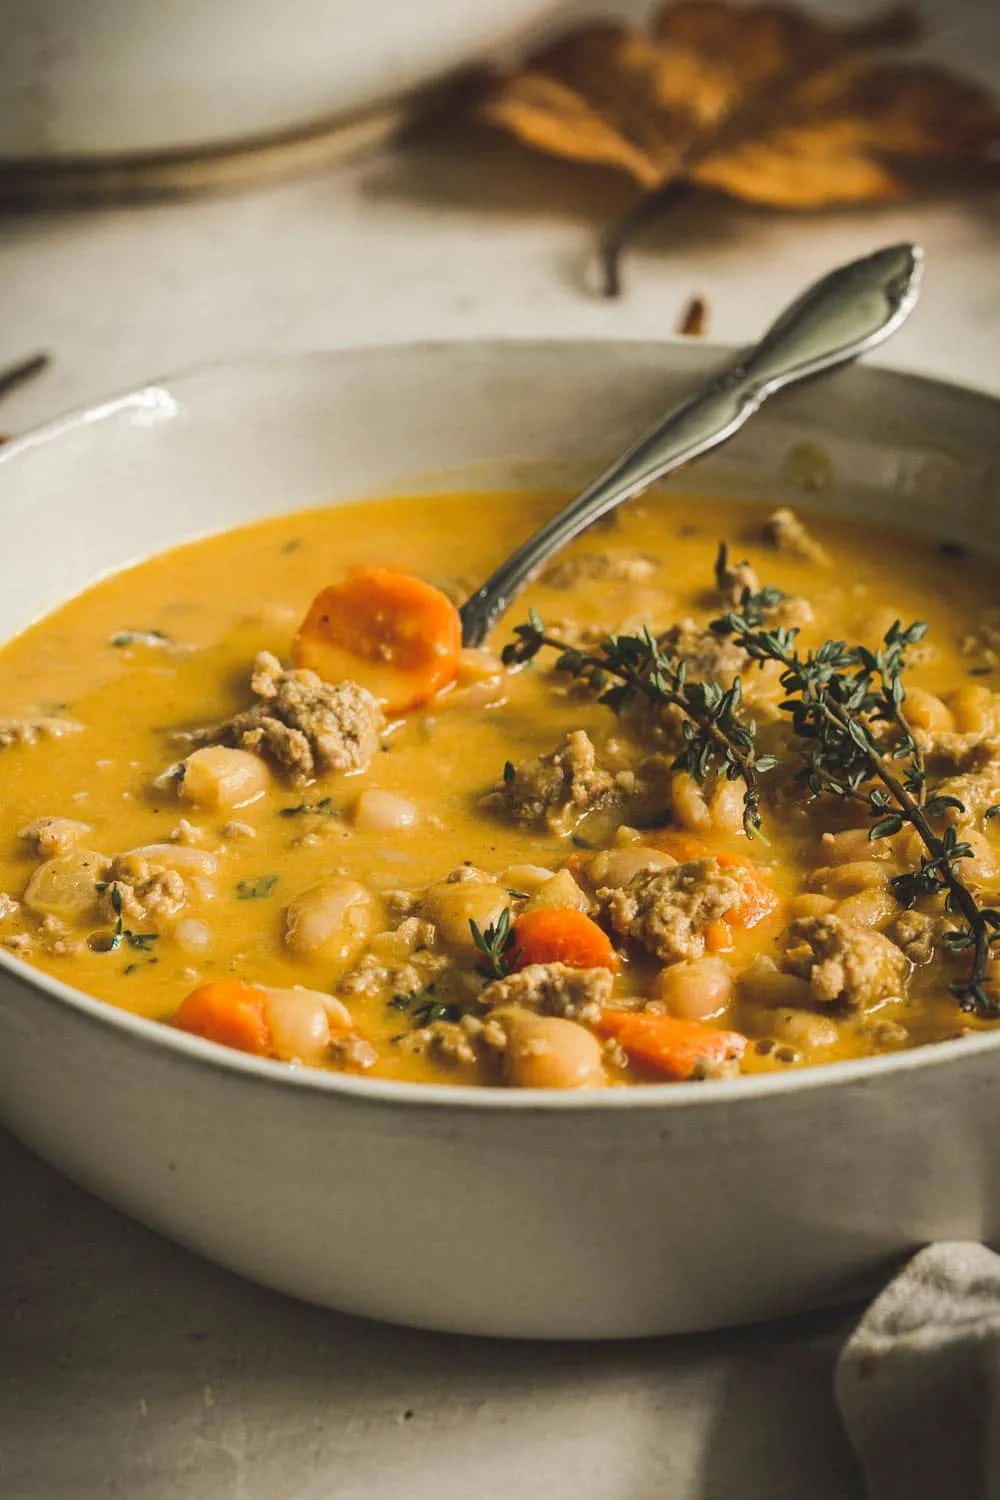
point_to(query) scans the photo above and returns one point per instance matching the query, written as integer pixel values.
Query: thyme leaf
(256, 890)
(324, 808)
(498, 946)
(423, 1007)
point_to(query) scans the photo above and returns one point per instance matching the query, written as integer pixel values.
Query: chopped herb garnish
(256, 890)
(952, 549)
(143, 941)
(141, 638)
(116, 905)
(517, 895)
(509, 772)
(423, 1006)
(134, 968)
(980, 671)
(498, 946)
(292, 545)
(582, 843)
(324, 808)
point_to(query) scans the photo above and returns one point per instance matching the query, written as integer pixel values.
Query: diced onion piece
(66, 887)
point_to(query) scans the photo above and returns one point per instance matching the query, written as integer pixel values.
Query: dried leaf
(764, 104)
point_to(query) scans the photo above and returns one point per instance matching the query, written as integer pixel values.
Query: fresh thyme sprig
(498, 946)
(835, 697)
(141, 941)
(424, 1007)
(717, 737)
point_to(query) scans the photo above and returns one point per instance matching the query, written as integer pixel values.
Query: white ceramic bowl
(100, 78)
(641, 1211)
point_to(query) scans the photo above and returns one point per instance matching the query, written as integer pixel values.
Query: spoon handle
(845, 314)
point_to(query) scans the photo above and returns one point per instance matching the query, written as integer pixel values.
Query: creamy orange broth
(226, 598)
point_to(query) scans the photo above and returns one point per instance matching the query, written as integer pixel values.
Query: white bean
(868, 908)
(696, 989)
(217, 777)
(526, 878)
(688, 802)
(332, 920)
(764, 984)
(853, 844)
(481, 682)
(855, 875)
(809, 905)
(616, 867)
(451, 905)
(982, 865)
(798, 1028)
(726, 809)
(546, 1052)
(384, 812)
(301, 1022)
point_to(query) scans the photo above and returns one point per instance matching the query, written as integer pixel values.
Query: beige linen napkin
(918, 1382)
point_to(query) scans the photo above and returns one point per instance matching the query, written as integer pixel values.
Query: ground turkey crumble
(916, 934)
(46, 837)
(147, 894)
(845, 963)
(29, 731)
(668, 910)
(399, 962)
(706, 653)
(557, 790)
(786, 533)
(553, 990)
(599, 566)
(307, 727)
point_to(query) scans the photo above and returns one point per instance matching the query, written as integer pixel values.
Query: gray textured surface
(131, 1370)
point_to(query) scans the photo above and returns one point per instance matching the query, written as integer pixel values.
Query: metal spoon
(850, 311)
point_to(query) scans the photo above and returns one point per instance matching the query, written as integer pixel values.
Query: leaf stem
(620, 233)
(662, 691)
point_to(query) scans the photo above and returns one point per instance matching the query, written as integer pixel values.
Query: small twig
(26, 370)
(619, 235)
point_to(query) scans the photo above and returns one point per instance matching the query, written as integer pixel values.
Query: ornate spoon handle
(850, 311)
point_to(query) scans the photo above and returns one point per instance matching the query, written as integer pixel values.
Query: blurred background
(192, 181)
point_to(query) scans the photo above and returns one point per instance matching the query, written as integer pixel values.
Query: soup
(298, 820)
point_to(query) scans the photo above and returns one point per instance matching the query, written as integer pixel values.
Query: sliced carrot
(718, 937)
(677, 1049)
(562, 935)
(227, 1011)
(759, 898)
(394, 634)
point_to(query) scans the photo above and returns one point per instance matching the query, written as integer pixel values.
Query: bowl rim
(146, 1034)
